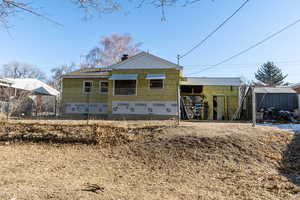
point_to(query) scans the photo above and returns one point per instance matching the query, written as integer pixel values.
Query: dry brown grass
(3, 117)
(146, 161)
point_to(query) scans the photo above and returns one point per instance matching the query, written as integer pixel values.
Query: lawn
(146, 160)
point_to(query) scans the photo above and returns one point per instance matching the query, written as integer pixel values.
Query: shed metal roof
(274, 90)
(235, 81)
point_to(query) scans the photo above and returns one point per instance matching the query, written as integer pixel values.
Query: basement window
(156, 84)
(103, 87)
(87, 86)
(125, 87)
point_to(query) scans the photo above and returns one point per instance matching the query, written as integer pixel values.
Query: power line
(253, 63)
(12, 3)
(214, 31)
(251, 47)
(245, 68)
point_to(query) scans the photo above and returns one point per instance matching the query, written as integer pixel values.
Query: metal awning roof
(34, 85)
(155, 76)
(224, 81)
(123, 77)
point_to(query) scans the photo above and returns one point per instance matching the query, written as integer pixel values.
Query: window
(125, 87)
(192, 89)
(197, 89)
(87, 86)
(186, 89)
(156, 84)
(103, 87)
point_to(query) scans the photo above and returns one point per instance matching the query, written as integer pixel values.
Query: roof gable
(145, 60)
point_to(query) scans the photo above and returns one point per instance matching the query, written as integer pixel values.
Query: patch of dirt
(192, 161)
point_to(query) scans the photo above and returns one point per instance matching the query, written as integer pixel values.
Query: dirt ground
(147, 160)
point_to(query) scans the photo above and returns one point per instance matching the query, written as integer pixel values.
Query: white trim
(149, 108)
(163, 87)
(136, 88)
(155, 76)
(83, 87)
(123, 77)
(105, 81)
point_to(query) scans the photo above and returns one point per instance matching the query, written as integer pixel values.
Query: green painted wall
(144, 93)
(231, 98)
(73, 91)
(231, 94)
(73, 88)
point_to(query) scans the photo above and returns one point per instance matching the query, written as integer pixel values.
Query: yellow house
(145, 86)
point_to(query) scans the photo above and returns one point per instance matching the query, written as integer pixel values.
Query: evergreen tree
(270, 74)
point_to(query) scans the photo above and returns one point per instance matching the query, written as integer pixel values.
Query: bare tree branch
(90, 7)
(21, 70)
(10, 5)
(111, 49)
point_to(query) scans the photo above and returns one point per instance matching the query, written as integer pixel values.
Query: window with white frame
(156, 84)
(125, 87)
(87, 86)
(103, 87)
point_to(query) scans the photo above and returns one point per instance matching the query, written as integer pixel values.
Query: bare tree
(57, 74)
(91, 7)
(110, 50)
(21, 70)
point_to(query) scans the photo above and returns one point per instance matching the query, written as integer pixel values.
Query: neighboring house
(34, 85)
(296, 87)
(43, 95)
(283, 98)
(145, 86)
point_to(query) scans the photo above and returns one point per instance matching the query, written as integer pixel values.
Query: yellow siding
(144, 93)
(231, 95)
(73, 91)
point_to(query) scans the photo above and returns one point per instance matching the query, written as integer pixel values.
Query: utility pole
(178, 59)
(178, 93)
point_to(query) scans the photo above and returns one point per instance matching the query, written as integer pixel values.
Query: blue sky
(46, 45)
